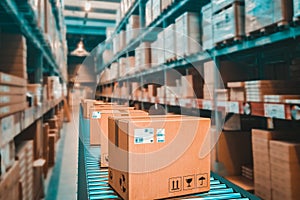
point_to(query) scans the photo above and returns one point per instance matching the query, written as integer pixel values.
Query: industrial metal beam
(91, 19)
(85, 30)
(96, 10)
(86, 21)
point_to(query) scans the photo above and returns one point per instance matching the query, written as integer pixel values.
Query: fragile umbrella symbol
(201, 179)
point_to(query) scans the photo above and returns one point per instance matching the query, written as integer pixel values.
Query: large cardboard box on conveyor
(155, 158)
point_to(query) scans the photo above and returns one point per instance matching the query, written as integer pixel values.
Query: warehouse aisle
(63, 181)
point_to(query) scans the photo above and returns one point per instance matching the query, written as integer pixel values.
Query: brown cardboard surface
(9, 185)
(101, 130)
(170, 180)
(10, 109)
(12, 99)
(286, 151)
(7, 89)
(51, 143)
(7, 79)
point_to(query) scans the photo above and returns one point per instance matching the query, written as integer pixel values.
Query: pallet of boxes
(13, 80)
(153, 157)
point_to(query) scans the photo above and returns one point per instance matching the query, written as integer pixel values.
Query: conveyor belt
(96, 179)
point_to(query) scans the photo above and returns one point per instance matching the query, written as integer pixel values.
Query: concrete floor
(61, 182)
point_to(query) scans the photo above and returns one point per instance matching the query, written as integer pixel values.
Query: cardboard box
(6, 89)
(11, 99)
(187, 34)
(9, 185)
(187, 88)
(51, 147)
(156, 9)
(99, 129)
(148, 13)
(10, 109)
(260, 14)
(152, 162)
(165, 4)
(261, 158)
(143, 56)
(218, 5)
(25, 158)
(8, 79)
(207, 37)
(229, 23)
(87, 104)
(170, 42)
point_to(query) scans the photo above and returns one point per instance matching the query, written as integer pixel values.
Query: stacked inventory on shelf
(263, 79)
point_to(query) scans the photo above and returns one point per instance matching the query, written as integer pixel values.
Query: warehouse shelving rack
(25, 23)
(19, 17)
(280, 45)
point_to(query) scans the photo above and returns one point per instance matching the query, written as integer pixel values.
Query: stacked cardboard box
(143, 142)
(157, 51)
(9, 185)
(36, 91)
(207, 37)
(247, 172)
(262, 160)
(209, 80)
(114, 70)
(46, 147)
(7, 153)
(285, 168)
(229, 23)
(255, 90)
(130, 69)
(143, 56)
(156, 8)
(148, 13)
(13, 60)
(87, 104)
(296, 9)
(261, 14)
(13, 94)
(25, 158)
(188, 34)
(165, 4)
(187, 88)
(122, 66)
(132, 28)
(54, 88)
(100, 136)
(237, 91)
(279, 98)
(170, 42)
(222, 94)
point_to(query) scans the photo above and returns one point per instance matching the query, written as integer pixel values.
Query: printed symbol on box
(175, 184)
(160, 135)
(189, 182)
(143, 136)
(122, 183)
(201, 180)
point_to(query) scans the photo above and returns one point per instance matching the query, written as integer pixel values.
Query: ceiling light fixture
(87, 6)
(80, 50)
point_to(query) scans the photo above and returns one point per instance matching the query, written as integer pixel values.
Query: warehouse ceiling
(88, 20)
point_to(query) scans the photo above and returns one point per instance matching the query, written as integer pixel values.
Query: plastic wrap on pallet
(296, 8)
(132, 28)
(143, 56)
(260, 14)
(148, 13)
(156, 8)
(122, 67)
(122, 40)
(229, 23)
(188, 33)
(207, 36)
(218, 5)
(170, 42)
(114, 70)
(165, 4)
(116, 44)
(160, 48)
